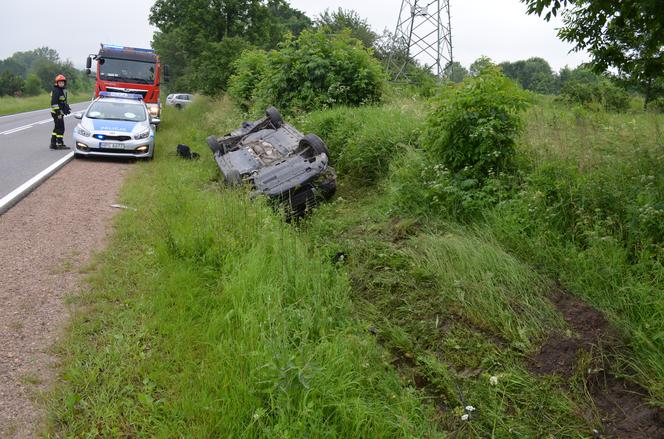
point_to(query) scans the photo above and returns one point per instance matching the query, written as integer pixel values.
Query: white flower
(493, 380)
(470, 408)
(465, 417)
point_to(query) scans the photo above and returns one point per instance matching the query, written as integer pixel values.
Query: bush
(418, 187)
(656, 105)
(315, 71)
(601, 92)
(32, 85)
(473, 127)
(363, 141)
(249, 69)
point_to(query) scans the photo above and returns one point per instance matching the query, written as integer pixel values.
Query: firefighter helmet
(60, 78)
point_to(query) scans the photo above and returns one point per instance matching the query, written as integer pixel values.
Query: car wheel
(213, 143)
(311, 145)
(178, 106)
(233, 178)
(275, 117)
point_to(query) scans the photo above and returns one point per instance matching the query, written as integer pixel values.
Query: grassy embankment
(209, 316)
(11, 105)
(458, 304)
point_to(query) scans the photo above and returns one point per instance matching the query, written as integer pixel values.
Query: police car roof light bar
(114, 94)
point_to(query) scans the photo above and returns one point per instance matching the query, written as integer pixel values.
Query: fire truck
(129, 70)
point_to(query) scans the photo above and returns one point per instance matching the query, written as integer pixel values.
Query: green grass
(11, 105)
(454, 309)
(591, 214)
(208, 316)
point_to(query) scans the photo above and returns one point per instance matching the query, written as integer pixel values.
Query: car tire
(213, 143)
(275, 117)
(233, 178)
(178, 106)
(311, 145)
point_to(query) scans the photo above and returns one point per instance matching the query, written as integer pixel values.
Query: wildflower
(465, 417)
(493, 380)
(470, 408)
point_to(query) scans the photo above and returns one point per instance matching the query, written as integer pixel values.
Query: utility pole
(424, 35)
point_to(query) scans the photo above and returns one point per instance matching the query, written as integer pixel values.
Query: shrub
(317, 71)
(418, 187)
(249, 69)
(363, 141)
(656, 105)
(32, 85)
(598, 93)
(473, 126)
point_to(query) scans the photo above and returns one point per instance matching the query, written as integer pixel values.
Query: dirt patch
(593, 333)
(620, 405)
(46, 238)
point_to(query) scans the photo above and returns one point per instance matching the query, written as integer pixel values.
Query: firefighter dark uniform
(59, 108)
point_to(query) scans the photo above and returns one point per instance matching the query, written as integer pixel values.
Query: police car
(115, 125)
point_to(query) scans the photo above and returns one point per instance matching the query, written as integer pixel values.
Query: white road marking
(25, 127)
(12, 198)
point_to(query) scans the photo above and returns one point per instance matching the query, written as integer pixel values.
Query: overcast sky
(499, 29)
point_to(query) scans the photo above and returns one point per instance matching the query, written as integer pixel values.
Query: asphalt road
(24, 141)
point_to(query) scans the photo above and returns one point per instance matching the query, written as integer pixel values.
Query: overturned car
(278, 161)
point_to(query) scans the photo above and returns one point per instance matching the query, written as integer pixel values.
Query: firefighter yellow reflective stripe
(59, 135)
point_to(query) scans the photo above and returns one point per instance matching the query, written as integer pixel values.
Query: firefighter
(59, 109)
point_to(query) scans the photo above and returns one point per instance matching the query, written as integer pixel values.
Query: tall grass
(363, 141)
(208, 316)
(11, 104)
(454, 310)
(591, 213)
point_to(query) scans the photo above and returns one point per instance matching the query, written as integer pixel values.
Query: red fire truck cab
(129, 70)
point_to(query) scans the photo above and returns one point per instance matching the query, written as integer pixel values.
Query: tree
(191, 32)
(480, 64)
(627, 35)
(455, 72)
(534, 74)
(10, 84)
(335, 22)
(32, 85)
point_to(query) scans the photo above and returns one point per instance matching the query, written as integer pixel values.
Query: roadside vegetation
(209, 316)
(11, 105)
(491, 266)
(377, 316)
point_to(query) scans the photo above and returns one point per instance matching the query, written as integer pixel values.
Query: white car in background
(179, 100)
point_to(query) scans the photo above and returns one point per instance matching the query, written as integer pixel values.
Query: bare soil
(44, 242)
(621, 405)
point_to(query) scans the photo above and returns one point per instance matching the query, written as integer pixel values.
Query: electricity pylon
(423, 34)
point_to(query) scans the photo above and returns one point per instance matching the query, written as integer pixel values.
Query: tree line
(32, 72)
(202, 40)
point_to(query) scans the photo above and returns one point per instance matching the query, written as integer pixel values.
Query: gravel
(44, 240)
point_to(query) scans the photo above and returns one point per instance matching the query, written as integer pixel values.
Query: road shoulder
(46, 239)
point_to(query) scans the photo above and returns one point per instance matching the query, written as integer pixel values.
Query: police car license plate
(111, 145)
